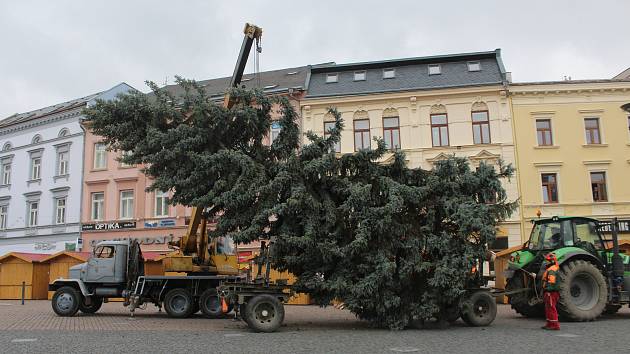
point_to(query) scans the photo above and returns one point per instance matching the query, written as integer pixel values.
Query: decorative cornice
(126, 179)
(548, 164)
(98, 181)
(39, 121)
(597, 162)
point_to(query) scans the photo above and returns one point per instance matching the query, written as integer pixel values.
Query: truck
(594, 276)
(116, 270)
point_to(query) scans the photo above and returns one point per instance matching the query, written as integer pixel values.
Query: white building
(41, 169)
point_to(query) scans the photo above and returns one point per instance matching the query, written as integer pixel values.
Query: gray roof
(64, 107)
(410, 74)
(624, 75)
(270, 81)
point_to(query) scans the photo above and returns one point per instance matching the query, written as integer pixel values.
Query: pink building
(115, 204)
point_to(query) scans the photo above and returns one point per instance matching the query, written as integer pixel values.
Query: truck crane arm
(195, 241)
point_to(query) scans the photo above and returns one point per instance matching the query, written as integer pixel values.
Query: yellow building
(429, 107)
(573, 149)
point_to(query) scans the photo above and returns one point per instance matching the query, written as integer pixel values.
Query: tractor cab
(558, 232)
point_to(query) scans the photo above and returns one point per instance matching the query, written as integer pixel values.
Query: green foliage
(394, 243)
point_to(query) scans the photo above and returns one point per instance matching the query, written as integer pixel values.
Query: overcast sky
(54, 51)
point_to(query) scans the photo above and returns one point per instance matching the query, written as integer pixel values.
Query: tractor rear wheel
(520, 301)
(583, 291)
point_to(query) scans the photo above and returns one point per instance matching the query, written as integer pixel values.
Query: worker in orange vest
(550, 292)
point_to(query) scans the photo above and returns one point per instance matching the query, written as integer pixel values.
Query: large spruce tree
(394, 243)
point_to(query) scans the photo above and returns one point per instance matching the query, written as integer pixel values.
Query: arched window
(439, 125)
(480, 123)
(63, 132)
(391, 128)
(6, 146)
(36, 139)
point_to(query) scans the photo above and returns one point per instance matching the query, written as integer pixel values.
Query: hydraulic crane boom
(195, 241)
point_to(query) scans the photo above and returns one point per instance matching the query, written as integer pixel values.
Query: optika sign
(158, 240)
(109, 226)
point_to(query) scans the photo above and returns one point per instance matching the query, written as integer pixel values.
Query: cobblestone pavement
(34, 328)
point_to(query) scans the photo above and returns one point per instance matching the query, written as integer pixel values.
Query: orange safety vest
(549, 278)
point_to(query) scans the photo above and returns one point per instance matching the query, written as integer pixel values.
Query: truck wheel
(93, 307)
(210, 304)
(583, 291)
(520, 301)
(480, 310)
(65, 301)
(178, 303)
(264, 313)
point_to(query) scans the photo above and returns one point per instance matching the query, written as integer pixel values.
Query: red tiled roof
(27, 257)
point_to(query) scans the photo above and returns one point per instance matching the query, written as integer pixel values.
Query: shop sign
(109, 226)
(157, 240)
(159, 223)
(623, 226)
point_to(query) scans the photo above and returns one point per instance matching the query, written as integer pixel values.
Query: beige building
(573, 149)
(429, 107)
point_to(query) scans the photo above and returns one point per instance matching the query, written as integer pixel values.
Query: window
(100, 156)
(391, 133)
(6, 173)
(586, 231)
(161, 203)
(434, 69)
(439, 129)
(124, 154)
(598, 186)
(474, 66)
(481, 127)
(543, 132)
(328, 126)
(60, 211)
(4, 214)
(33, 208)
(62, 163)
(591, 126)
(389, 73)
(98, 202)
(359, 75)
(126, 204)
(330, 78)
(275, 131)
(549, 188)
(104, 252)
(36, 166)
(361, 134)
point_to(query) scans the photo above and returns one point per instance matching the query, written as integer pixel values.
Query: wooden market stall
(17, 268)
(59, 264)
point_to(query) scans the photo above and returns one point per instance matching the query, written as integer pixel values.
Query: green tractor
(594, 277)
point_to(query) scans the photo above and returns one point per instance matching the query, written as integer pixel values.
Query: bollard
(23, 290)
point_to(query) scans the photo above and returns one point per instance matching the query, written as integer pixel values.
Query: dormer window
(435, 69)
(359, 75)
(330, 78)
(474, 66)
(389, 73)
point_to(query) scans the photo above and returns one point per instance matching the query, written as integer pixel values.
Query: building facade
(41, 164)
(430, 108)
(573, 149)
(115, 202)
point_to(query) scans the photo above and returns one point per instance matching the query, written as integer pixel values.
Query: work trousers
(551, 312)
